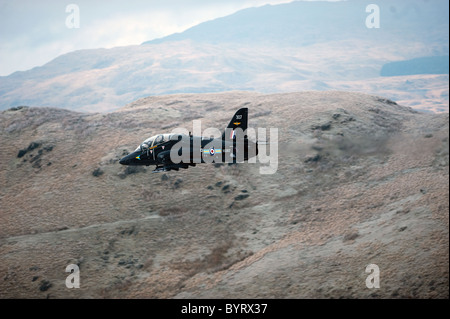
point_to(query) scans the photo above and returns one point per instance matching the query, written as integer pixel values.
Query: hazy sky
(34, 32)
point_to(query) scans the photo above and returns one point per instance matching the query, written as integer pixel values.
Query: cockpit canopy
(154, 141)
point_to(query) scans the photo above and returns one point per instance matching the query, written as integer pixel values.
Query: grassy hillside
(361, 180)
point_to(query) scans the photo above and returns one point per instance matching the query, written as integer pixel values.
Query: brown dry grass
(376, 192)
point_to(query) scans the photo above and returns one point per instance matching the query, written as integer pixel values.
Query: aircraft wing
(169, 167)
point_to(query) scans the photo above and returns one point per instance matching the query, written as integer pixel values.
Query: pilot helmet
(144, 147)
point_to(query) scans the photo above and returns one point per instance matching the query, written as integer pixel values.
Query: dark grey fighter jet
(175, 151)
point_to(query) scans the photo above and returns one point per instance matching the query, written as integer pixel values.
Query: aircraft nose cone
(124, 161)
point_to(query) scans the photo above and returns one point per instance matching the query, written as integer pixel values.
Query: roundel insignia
(212, 151)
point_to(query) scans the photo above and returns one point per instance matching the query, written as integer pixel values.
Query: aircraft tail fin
(239, 119)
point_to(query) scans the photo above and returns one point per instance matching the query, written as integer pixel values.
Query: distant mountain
(303, 23)
(290, 47)
(426, 65)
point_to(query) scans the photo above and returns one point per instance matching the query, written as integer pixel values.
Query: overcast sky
(34, 32)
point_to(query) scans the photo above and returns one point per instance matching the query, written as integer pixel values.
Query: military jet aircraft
(175, 151)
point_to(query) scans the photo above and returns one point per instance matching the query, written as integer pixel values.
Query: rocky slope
(361, 180)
